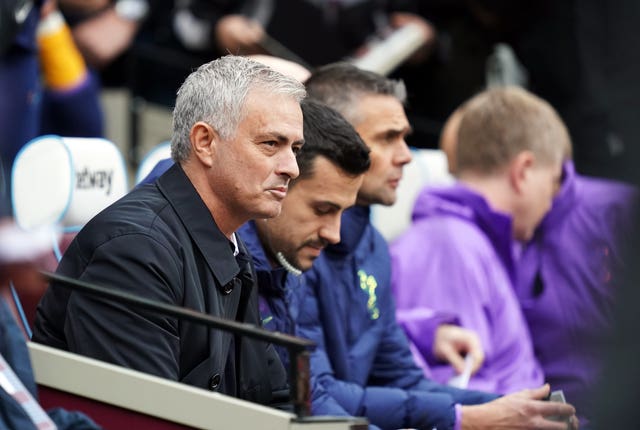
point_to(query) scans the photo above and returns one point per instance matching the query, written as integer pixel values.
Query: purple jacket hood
(460, 201)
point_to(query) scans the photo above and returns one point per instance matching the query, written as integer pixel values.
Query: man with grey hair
(237, 126)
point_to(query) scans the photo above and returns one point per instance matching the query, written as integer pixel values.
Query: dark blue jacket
(157, 171)
(363, 358)
(21, 90)
(280, 297)
(279, 293)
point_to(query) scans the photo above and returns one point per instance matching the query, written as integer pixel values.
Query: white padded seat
(160, 152)
(65, 181)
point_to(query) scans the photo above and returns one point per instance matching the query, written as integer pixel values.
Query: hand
(452, 343)
(102, 38)
(239, 35)
(83, 7)
(400, 19)
(47, 7)
(522, 410)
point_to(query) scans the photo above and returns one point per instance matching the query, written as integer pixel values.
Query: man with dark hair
(363, 359)
(237, 126)
(332, 163)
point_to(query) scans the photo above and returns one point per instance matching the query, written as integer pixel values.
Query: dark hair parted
(341, 85)
(328, 134)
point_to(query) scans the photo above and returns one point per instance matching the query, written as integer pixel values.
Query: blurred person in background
(35, 41)
(457, 256)
(19, 252)
(569, 274)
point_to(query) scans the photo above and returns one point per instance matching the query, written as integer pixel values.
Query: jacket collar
(462, 202)
(564, 201)
(352, 226)
(216, 249)
(249, 234)
(271, 280)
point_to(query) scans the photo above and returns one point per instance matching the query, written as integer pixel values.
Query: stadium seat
(160, 152)
(63, 182)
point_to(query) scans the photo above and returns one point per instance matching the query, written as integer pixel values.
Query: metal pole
(298, 347)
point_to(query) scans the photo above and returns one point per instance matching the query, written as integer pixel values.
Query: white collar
(234, 240)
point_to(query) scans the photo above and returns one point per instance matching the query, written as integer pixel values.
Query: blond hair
(500, 123)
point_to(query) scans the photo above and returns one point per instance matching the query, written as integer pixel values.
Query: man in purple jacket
(569, 272)
(568, 277)
(458, 254)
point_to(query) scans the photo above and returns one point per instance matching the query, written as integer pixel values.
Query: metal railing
(298, 348)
